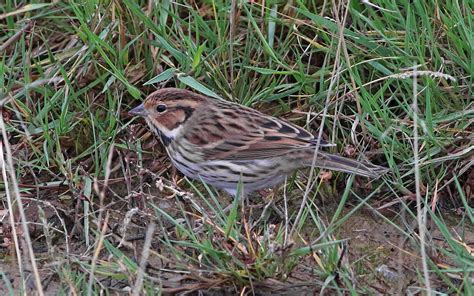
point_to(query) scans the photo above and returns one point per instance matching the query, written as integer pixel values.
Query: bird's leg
(174, 175)
(268, 197)
(236, 199)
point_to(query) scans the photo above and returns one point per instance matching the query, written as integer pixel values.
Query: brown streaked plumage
(223, 143)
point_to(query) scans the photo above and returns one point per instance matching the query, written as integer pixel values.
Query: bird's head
(166, 110)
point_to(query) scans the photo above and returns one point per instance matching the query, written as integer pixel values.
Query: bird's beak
(138, 111)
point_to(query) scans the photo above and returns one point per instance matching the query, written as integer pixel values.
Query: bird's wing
(237, 133)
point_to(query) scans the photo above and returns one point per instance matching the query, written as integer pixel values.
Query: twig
(11, 216)
(334, 79)
(19, 202)
(421, 212)
(100, 242)
(143, 261)
(16, 36)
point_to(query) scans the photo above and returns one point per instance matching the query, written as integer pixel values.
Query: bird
(226, 144)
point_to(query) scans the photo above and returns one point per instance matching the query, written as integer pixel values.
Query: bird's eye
(161, 108)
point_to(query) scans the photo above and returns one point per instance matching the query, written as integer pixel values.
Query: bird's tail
(338, 163)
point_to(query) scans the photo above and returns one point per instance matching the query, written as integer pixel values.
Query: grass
(92, 181)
